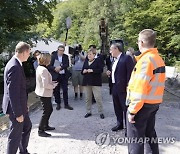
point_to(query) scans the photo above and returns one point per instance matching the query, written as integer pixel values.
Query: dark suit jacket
(109, 63)
(101, 58)
(123, 71)
(65, 65)
(94, 78)
(15, 94)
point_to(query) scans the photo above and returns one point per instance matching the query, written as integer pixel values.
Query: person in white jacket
(44, 89)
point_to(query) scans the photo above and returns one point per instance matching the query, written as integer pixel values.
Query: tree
(126, 18)
(18, 16)
(163, 17)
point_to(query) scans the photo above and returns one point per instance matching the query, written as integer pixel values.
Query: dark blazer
(94, 78)
(109, 63)
(65, 65)
(101, 58)
(15, 94)
(123, 71)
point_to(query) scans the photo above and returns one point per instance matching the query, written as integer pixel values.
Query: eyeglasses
(60, 50)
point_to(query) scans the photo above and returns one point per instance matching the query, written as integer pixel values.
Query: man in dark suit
(58, 69)
(15, 100)
(121, 72)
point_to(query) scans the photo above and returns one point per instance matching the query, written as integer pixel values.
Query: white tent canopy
(50, 47)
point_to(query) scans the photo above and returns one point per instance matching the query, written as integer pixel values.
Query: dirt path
(76, 135)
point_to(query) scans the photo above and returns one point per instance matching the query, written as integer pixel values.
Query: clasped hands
(57, 69)
(87, 71)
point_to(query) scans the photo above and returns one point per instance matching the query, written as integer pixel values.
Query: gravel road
(76, 135)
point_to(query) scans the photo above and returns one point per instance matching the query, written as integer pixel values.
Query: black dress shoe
(125, 134)
(102, 116)
(87, 115)
(26, 152)
(68, 107)
(58, 107)
(43, 134)
(49, 128)
(116, 128)
(93, 101)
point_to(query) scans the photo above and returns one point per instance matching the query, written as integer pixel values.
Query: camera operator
(78, 61)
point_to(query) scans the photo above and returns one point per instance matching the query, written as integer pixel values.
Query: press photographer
(77, 61)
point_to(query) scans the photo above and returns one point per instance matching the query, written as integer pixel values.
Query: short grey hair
(21, 47)
(149, 37)
(119, 46)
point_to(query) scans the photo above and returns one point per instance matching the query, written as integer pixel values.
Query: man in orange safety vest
(145, 92)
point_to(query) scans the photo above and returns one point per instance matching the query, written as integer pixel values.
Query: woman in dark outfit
(92, 81)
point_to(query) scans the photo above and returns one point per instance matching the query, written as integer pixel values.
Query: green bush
(2, 66)
(28, 68)
(177, 65)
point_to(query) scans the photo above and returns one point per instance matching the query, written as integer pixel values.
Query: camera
(75, 50)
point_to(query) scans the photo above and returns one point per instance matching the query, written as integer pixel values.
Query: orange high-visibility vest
(147, 81)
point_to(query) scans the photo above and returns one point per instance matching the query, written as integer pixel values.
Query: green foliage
(18, 16)
(2, 66)
(125, 18)
(162, 16)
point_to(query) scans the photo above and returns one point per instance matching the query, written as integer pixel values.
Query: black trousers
(120, 108)
(110, 85)
(63, 83)
(19, 135)
(143, 127)
(47, 110)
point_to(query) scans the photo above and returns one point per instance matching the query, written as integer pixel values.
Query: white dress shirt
(60, 60)
(114, 67)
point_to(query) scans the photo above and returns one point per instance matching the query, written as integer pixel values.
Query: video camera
(75, 50)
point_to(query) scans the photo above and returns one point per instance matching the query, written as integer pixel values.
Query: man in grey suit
(15, 100)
